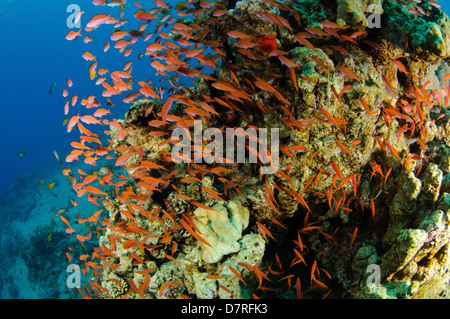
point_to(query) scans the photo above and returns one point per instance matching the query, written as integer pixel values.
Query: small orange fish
(336, 169)
(388, 84)
(239, 35)
(227, 290)
(366, 107)
(264, 231)
(118, 35)
(73, 35)
(340, 49)
(88, 56)
(353, 237)
(372, 206)
(343, 147)
(373, 45)
(205, 207)
(65, 221)
(392, 149)
(94, 190)
(331, 25)
(184, 197)
(327, 114)
(349, 73)
(300, 38)
(193, 233)
(78, 16)
(319, 62)
(73, 100)
(316, 31)
(400, 66)
(355, 143)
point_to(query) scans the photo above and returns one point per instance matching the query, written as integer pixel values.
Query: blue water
(34, 54)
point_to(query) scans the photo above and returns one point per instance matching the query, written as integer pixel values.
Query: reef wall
(359, 205)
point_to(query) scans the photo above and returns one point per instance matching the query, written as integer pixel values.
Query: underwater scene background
(363, 176)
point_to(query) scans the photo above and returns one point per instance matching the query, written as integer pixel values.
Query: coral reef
(353, 13)
(425, 27)
(359, 204)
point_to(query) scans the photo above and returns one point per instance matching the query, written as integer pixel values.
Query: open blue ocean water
(35, 56)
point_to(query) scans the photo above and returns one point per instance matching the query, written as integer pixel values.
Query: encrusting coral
(361, 190)
(221, 228)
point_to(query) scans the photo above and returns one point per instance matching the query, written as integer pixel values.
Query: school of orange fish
(173, 56)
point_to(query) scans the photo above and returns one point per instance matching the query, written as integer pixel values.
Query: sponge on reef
(221, 228)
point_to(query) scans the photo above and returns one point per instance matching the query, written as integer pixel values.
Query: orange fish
(267, 87)
(78, 16)
(264, 231)
(349, 73)
(366, 107)
(340, 49)
(65, 221)
(336, 169)
(287, 62)
(94, 190)
(372, 206)
(319, 62)
(98, 20)
(388, 84)
(101, 112)
(73, 35)
(184, 197)
(51, 185)
(316, 31)
(343, 147)
(88, 56)
(193, 233)
(392, 149)
(328, 116)
(74, 99)
(221, 85)
(118, 35)
(239, 35)
(205, 207)
(149, 92)
(373, 45)
(300, 38)
(331, 25)
(400, 66)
